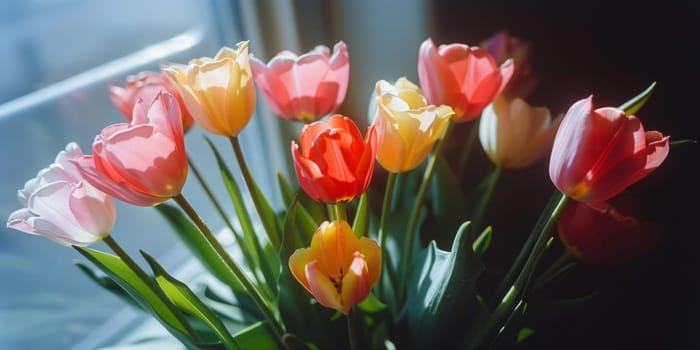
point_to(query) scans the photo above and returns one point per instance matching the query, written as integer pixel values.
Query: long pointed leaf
(257, 336)
(120, 272)
(251, 237)
(198, 245)
(442, 293)
(294, 301)
(635, 103)
(186, 300)
(305, 221)
(108, 284)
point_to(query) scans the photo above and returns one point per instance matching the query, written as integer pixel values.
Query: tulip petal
(297, 265)
(355, 284)
(325, 292)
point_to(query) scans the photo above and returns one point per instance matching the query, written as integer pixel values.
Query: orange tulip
(598, 153)
(601, 234)
(462, 77)
(145, 86)
(339, 269)
(218, 92)
(334, 164)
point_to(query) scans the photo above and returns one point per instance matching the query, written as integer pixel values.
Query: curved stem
(253, 190)
(231, 264)
(247, 253)
(388, 193)
(562, 263)
(117, 249)
(485, 198)
(527, 247)
(514, 293)
(413, 218)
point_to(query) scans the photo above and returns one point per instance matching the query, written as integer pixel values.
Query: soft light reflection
(156, 52)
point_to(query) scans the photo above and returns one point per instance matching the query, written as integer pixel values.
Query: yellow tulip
(515, 135)
(339, 269)
(219, 92)
(407, 127)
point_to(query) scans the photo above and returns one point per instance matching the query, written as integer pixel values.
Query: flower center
(337, 281)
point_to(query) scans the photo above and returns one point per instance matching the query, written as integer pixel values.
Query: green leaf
(185, 299)
(285, 189)
(448, 204)
(199, 246)
(292, 342)
(441, 294)
(635, 103)
(483, 242)
(257, 336)
(295, 305)
(305, 221)
(145, 295)
(251, 238)
(361, 223)
(523, 334)
(108, 284)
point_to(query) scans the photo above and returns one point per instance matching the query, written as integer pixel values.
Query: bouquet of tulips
(361, 256)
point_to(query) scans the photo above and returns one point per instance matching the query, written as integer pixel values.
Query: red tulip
(334, 164)
(600, 234)
(143, 162)
(145, 86)
(598, 153)
(462, 77)
(306, 87)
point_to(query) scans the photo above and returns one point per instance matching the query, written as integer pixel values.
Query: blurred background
(59, 57)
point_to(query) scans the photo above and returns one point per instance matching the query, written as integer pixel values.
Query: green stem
(381, 236)
(467, 149)
(250, 259)
(337, 212)
(527, 247)
(514, 293)
(386, 203)
(413, 218)
(231, 264)
(253, 190)
(485, 198)
(553, 270)
(352, 330)
(117, 249)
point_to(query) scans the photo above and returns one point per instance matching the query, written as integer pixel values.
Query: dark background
(614, 50)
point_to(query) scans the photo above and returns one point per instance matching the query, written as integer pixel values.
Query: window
(59, 58)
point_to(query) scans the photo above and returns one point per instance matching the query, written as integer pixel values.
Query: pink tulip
(143, 162)
(306, 87)
(145, 86)
(598, 153)
(503, 46)
(60, 205)
(605, 233)
(462, 77)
